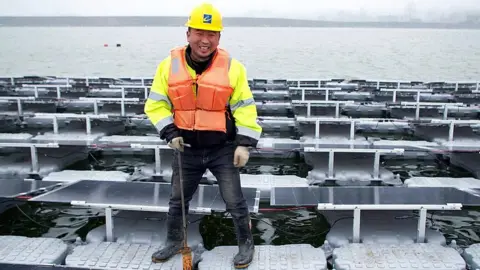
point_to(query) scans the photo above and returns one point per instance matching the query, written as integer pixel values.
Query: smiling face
(203, 43)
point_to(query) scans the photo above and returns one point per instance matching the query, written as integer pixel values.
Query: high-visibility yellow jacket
(243, 128)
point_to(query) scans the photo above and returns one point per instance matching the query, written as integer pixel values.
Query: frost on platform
(465, 182)
(406, 256)
(73, 176)
(108, 255)
(378, 227)
(472, 256)
(296, 256)
(24, 250)
(150, 228)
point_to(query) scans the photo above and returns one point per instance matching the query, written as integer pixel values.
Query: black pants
(219, 161)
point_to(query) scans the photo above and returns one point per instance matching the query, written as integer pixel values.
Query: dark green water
(279, 227)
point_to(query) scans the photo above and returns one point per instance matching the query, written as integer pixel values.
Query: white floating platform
(298, 256)
(378, 227)
(423, 256)
(35, 251)
(114, 255)
(150, 229)
(465, 182)
(472, 256)
(108, 255)
(74, 176)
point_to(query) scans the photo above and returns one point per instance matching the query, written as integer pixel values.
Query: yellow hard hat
(205, 17)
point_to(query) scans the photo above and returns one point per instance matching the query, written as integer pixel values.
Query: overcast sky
(251, 8)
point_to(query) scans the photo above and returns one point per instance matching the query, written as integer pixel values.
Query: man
(215, 115)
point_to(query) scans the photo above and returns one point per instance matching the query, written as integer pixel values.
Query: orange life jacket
(204, 109)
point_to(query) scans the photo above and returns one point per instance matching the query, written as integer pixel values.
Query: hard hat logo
(207, 18)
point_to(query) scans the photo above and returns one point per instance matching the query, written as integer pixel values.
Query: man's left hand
(241, 156)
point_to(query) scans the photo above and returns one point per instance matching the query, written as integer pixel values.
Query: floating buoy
(118, 45)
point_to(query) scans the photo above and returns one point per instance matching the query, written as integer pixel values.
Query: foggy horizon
(339, 10)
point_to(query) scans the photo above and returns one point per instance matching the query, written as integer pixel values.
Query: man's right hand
(176, 144)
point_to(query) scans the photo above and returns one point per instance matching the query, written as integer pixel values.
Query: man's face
(202, 42)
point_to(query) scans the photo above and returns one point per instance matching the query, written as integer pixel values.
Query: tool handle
(184, 215)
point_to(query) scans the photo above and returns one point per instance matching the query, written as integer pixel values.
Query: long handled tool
(186, 251)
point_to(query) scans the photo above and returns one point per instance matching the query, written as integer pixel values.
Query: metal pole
(180, 172)
(186, 251)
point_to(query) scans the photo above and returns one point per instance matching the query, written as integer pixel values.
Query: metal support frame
(407, 90)
(408, 104)
(55, 116)
(422, 220)
(122, 102)
(157, 148)
(451, 125)
(451, 122)
(33, 150)
(109, 224)
(122, 88)
(457, 83)
(142, 79)
(316, 89)
(352, 121)
(331, 157)
(398, 82)
(310, 102)
(298, 82)
(47, 86)
(417, 105)
(19, 102)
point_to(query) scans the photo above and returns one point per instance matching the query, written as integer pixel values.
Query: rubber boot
(245, 244)
(174, 240)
